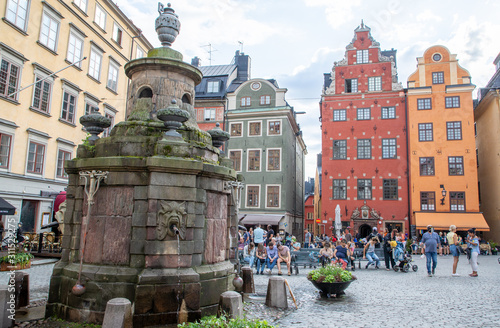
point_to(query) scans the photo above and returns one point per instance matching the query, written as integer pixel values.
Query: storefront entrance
(28, 215)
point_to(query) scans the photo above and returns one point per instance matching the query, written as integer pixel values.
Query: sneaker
(366, 266)
(376, 267)
(262, 272)
(433, 271)
(455, 275)
(429, 274)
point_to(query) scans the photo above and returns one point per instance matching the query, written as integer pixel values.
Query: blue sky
(296, 41)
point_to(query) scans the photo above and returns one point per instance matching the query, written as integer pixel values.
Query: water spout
(174, 228)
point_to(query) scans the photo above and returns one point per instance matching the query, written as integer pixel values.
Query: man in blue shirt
(431, 242)
(258, 235)
(272, 256)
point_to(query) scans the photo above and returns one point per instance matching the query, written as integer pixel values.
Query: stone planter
(4, 266)
(331, 288)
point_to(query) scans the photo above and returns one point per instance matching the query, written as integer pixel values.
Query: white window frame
(47, 37)
(246, 195)
(8, 128)
(113, 73)
(248, 160)
(17, 61)
(231, 127)
(90, 101)
(139, 53)
(241, 158)
(265, 100)
(82, 4)
(257, 135)
(362, 57)
(73, 92)
(64, 146)
(279, 196)
(47, 80)
(95, 66)
(110, 113)
(71, 55)
(16, 14)
(117, 33)
(268, 127)
(209, 114)
(246, 101)
(213, 86)
(374, 82)
(100, 17)
(39, 139)
(267, 159)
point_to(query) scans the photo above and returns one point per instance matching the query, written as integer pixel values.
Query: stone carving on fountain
(171, 220)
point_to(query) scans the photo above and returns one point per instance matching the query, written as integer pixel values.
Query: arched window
(186, 99)
(146, 93)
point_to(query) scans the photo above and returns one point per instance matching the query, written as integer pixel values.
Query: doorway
(28, 215)
(365, 230)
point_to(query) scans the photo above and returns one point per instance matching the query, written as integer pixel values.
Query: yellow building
(443, 169)
(59, 60)
(488, 148)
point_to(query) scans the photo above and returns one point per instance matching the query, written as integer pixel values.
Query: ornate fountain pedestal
(163, 223)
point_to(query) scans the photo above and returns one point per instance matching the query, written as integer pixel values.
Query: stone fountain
(160, 228)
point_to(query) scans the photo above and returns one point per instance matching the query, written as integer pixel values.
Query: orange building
(441, 146)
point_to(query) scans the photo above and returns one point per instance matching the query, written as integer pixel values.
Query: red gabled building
(309, 213)
(364, 140)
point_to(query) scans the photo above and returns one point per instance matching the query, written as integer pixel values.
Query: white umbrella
(338, 222)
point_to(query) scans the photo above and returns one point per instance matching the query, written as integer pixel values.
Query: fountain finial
(167, 25)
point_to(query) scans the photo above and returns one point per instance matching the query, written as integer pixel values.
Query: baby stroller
(403, 259)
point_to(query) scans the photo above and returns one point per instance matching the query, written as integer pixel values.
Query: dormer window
(362, 56)
(213, 86)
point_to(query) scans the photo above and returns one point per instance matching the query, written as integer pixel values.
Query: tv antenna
(210, 51)
(241, 46)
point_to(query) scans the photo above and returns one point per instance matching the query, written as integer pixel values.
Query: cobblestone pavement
(381, 298)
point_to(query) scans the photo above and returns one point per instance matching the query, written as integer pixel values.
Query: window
(424, 103)
(254, 128)
(5, 146)
(454, 130)
(246, 101)
(111, 116)
(364, 148)
(265, 100)
(457, 201)
(49, 30)
(363, 114)
(364, 189)
(236, 130)
(62, 157)
(388, 113)
(209, 114)
(273, 196)
(274, 127)
(452, 102)
(455, 165)
(112, 83)
(339, 115)
(389, 148)
(17, 12)
(390, 191)
(68, 107)
(9, 79)
(75, 48)
(41, 94)
(36, 153)
(91, 104)
(339, 149)
(351, 85)
(82, 4)
(362, 56)
(427, 201)
(437, 77)
(339, 189)
(254, 160)
(139, 53)
(273, 159)
(117, 34)
(425, 132)
(253, 196)
(235, 155)
(95, 63)
(213, 87)
(426, 165)
(375, 83)
(310, 216)
(100, 17)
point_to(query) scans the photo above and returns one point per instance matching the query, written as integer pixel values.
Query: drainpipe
(408, 163)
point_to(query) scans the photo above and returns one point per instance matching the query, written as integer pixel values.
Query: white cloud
(427, 16)
(338, 12)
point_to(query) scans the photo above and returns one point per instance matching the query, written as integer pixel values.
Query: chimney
(196, 61)
(243, 64)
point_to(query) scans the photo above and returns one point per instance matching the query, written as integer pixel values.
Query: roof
(217, 70)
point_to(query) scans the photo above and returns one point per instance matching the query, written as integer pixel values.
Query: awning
(442, 221)
(6, 208)
(264, 219)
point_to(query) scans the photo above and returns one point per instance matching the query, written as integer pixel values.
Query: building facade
(309, 213)
(267, 148)
(59, 60)
(487, 124)
(363, 122)
(443, 167)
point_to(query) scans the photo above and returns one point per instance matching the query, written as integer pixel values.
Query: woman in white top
(249, 254)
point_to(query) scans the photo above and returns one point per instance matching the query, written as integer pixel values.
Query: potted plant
(493, 245)
(16, 261)
(331, 280)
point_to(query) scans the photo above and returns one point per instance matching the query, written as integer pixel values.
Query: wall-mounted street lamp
(443, 193)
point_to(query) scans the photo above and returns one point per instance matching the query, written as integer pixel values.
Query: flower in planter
(330, 274)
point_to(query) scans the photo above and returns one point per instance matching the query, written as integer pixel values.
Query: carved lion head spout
(171, 220)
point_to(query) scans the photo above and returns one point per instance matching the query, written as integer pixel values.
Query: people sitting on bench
(370, 254)
(326, 255)
(342, 255)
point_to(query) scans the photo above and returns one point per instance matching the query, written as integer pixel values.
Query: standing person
(261, 255)
(473, 242)
(284, 256)
(246, 237)
(270, 234)
(389, 260)
(250, 231)
(249, 254)
(348, 236)
(452, 238)
(431, 242)
(19, 234)
(307, 239)
(372, 257)
(272, 256)
(258, 235)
